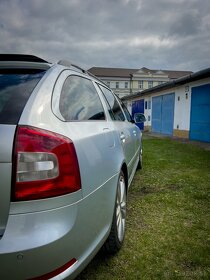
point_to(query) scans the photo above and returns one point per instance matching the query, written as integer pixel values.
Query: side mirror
(139, 118)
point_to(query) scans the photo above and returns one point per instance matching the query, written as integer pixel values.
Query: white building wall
(182, 108)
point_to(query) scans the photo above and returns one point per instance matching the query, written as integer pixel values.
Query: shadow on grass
(89, 273)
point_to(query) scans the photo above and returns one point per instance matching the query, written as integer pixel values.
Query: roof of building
(205, 73)
(126, 73)
(112, 72)
(172, 74)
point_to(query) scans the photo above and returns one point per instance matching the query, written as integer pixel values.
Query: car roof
(22, 61)
(25, 61)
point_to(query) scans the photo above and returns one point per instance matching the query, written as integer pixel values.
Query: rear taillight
(45, 165)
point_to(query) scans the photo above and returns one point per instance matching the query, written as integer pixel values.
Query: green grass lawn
(168, 218)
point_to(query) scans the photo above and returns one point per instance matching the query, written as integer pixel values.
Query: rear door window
(79, 100)
(115, 111)
(126, 112)
(16, 87)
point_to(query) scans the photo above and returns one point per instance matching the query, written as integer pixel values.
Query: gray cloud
(158, 34)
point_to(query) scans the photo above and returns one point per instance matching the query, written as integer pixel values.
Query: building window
(141, 84)
(126, 85)
(145, 105)
(117, 84)
(150, 84)
(149, 104)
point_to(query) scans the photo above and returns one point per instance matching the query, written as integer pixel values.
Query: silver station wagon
(68, 152)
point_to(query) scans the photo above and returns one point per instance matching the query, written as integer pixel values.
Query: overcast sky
(158, 34)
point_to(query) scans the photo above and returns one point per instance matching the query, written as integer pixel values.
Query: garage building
(178, 108)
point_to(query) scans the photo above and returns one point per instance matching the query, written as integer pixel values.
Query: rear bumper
(38, 243)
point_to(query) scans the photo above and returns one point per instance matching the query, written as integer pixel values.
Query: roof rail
(69, 64)
(21, 57)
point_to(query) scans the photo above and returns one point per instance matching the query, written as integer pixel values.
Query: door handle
(134, 132)
(122, 137)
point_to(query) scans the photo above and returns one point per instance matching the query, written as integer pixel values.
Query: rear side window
(79, 100)
(16, 87)
(115, 111)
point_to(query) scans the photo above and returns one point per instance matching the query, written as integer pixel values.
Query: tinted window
(145, 105)
(16, 87)
(80, 101)
(127, 114)
(114, 107)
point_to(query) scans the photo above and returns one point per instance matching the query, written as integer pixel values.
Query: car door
(126, 131)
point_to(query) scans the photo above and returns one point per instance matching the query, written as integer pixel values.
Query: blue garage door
(200, 113)
(138, 107)
(156, 114)
(163, 114)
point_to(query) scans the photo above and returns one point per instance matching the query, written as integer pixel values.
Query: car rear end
(45, 231)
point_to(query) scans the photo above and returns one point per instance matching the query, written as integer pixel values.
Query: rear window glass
(79, 100)
(16, 87)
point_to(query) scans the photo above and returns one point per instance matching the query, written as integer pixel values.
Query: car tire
(115, 239)
(139, 166)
